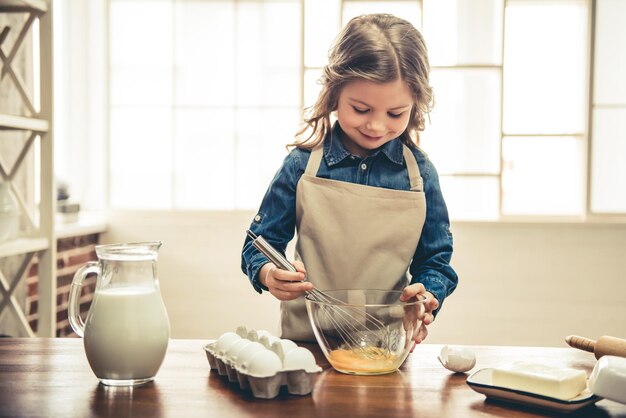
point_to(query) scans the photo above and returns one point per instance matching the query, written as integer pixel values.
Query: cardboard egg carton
(263, 363)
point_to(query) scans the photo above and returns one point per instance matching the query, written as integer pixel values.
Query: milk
(126, 333)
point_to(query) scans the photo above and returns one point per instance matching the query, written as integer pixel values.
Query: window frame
(587, 215)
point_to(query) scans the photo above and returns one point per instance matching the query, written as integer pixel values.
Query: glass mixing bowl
(365, 331)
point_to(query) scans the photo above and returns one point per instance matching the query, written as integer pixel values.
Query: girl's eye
(360, 111)
(395, 115)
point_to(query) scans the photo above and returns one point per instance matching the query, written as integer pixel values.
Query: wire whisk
(358, 329)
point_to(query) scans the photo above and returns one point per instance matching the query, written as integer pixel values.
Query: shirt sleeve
(275, 220)
(431, 262)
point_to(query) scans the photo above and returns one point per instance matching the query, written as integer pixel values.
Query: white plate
(482, 382)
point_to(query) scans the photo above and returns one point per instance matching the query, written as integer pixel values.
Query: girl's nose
(374, 125)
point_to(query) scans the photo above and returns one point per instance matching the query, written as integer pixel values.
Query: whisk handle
(270, 252)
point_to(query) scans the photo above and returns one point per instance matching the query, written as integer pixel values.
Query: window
(204, 95)
(608, 151)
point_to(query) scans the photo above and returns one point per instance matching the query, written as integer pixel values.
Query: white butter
(556, 382)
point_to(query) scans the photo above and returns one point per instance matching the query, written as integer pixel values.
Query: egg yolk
(366, 360)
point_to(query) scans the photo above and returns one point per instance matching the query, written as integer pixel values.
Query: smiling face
(372, 114)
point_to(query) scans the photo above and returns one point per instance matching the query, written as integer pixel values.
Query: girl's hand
(427, 316)
(283, 284)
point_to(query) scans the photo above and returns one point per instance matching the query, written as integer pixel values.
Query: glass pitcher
(127, 329)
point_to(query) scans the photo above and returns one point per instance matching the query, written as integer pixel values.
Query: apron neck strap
(314, 160)
(417, 184)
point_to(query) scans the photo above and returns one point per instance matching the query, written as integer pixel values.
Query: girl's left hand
(430, 305)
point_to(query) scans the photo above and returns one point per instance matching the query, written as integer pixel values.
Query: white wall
(520, 283)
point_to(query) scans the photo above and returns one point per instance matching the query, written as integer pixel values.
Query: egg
(263, 363)
(457, 359)
(282, 347)
(224, 342)
(235, 348)
(247, 352)
(300, 358)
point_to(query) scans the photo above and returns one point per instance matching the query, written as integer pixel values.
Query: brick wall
(72, 253)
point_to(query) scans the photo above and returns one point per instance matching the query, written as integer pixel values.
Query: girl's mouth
(372, 138)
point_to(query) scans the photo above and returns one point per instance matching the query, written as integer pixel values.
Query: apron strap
(415, 178)
(314, 160)
(417, 184)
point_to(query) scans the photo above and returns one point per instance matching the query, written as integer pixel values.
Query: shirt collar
(334, 151)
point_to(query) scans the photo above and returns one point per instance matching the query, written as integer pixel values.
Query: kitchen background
(169, 118)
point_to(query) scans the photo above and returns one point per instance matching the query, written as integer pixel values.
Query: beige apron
(352, 236)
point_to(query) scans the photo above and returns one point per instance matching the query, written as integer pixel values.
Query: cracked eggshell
(264, 363)
(246, 354)
(457, 359)
(224, 342)
(300, 358)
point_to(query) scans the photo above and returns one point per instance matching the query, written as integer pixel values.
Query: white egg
(246, 353)
(262, 332)
(224, 342)
(235, 348)
(457, 359)
(282, 347)
(288, 345)
(300, 358)
(263, 363)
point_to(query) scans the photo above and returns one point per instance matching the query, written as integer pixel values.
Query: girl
(363, 197)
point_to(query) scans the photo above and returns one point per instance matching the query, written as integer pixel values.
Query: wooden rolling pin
(603, 346)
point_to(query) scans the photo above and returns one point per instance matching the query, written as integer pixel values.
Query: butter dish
(608, 378)
(482, 382)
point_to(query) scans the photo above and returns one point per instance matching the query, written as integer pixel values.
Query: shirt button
(257, 218)
(363, 166)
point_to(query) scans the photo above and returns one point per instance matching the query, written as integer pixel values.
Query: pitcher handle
(73, 306)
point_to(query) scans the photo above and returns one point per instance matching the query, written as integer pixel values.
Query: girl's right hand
(283, 284)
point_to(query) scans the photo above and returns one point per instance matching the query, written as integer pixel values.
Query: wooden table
(51, 377)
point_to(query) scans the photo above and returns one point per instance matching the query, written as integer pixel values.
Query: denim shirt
(276, 218)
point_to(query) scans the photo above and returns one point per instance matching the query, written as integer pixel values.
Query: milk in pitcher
(126, 333)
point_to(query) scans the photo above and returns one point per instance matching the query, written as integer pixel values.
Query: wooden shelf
(23, 6)
(11, 122)
(43, 243)
(23, 245)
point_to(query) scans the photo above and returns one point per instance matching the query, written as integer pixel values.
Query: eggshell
(246, 353)
(263, 363)
(235, 348)
(288, 345)
(224, 342)
(262, 332)
(300, 358)
(457, 359)
(282, 347)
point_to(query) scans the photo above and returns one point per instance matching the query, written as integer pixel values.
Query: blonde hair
(379, 48)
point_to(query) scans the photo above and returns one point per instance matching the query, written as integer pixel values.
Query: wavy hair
(379, 48)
